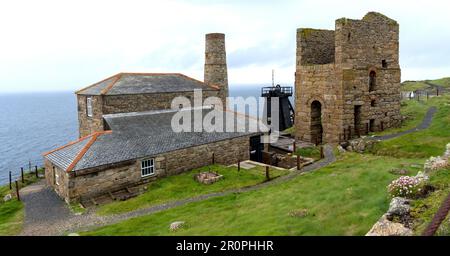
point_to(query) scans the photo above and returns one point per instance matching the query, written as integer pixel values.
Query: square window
(147, 167)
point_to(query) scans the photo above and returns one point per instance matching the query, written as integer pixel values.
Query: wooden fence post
(428, 95)
(437, 91)
(298, 163)
(36, 170)
(213, 160)
(29, 166)
(21, 174)
(294, 147)
(17, 190)
(239, 165)
(267, 173)
(10, 180)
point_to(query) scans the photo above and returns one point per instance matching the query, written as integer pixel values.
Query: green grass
(422, 144)
(311, 152)
(409, 86)
(444, 82)
(345, 198)
(11, 212)
(414, 111)
(184, 186)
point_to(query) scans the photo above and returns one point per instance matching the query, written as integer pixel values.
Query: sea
(34, 123)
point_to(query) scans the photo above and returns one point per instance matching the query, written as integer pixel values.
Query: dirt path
(426, 122)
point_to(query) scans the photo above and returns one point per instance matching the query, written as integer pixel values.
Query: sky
(52, 45)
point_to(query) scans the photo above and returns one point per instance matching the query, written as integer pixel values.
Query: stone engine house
(126, 133)
(347, 80)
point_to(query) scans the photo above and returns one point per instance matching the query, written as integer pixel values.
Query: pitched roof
(141, 134)
(138, 83)
(67, 156)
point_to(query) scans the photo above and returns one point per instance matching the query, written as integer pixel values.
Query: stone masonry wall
(315, 46)
(318, 83)
(53, 172)
(97, 181)
(88, 125)
(112, 104)
(362, 47)
(215, 72)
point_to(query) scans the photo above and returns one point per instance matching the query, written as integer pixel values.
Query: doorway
(256, 149)
(316, 122)
(357, 123)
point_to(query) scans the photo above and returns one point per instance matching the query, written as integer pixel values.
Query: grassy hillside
(408, 86)
(344, 198)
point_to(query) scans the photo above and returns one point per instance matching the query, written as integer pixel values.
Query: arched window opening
(372, 81)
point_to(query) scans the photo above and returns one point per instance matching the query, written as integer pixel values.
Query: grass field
(184, 186)
(11, 212)
(345, 198)
(408, 86)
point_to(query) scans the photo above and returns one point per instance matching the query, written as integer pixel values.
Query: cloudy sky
(51, 45)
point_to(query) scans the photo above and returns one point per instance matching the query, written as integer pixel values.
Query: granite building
(348, 79)
(126, 136)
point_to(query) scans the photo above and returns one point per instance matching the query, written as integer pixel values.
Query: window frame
(89, 108)
(56, 177)
(147, 167)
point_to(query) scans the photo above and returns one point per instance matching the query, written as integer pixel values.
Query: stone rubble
(176, 225)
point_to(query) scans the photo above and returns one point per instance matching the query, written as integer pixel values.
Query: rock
(435, 163)
(341, 149)
(384, 227)
(399, 206)
(176, 225)
(399, 171)
(299, 213)
(73, 234)
(421, 175)
(7, 198)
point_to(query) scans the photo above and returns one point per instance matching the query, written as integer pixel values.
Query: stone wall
(112, 104)
(52, 173)
(318, 83)
(89, 125)
(96, 181)
(315, 46)
(352, 103)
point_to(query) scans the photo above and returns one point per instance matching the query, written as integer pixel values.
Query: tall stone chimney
(216, 64)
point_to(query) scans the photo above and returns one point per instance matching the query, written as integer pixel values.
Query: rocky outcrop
(358, 145)
(7, 198)
(440, 162)
(385, 227)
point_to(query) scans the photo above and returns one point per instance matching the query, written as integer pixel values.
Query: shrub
(406, 186)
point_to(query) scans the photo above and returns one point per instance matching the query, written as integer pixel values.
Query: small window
(372, 81)
(56, 178)
(89, 106)
(384, 64)
(147, 167)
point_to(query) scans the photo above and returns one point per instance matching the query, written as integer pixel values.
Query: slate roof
(139, 83)
(140, 134)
